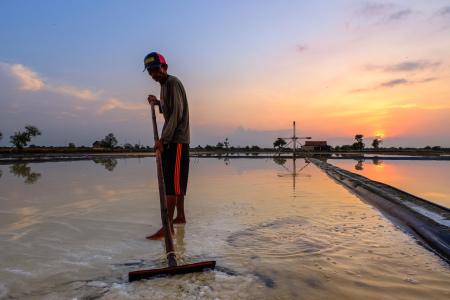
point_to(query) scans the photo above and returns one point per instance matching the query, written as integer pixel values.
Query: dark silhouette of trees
(376, 143)
(359, 145)
(279, 143)
(109, 141)
(21, 139)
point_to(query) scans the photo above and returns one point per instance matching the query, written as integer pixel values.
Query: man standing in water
(175, 137)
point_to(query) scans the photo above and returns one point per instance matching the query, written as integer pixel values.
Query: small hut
(316, 146)
(97, 145)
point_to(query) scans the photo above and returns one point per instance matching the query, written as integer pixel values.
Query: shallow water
(428, 179)
(75, 230)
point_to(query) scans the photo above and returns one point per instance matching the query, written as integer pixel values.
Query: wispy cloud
(444, 12)
(370, 10)
(28, 79)
(84, 94)
(114, 103)
(394, 82)
(401, 15)
(405, 66)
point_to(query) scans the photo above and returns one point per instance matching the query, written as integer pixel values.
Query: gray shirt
(174, 107)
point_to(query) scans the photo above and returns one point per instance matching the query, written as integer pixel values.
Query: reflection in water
(294, 173)
(427, 179)
(359, 165)
(22, 170)
(179, 241)
(280, 161)
(109, 163)
(225, 158)
(80, 231)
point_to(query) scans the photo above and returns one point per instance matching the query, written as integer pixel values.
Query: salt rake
(173, 268)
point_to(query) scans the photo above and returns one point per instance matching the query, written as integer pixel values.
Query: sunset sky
(250, 68)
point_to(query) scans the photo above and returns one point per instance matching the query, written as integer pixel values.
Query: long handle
(170, 252)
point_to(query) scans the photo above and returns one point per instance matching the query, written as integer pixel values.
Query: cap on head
(153, 60)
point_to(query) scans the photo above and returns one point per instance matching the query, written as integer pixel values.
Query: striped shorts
(175, 160)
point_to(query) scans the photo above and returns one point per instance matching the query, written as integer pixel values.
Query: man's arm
(177, 113)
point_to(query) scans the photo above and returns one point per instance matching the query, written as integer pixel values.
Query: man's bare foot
(179, 220)
(159, 235)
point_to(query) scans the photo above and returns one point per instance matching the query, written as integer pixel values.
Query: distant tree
(436, 148)
(71, 145)
(376, 143)
(279, 143)
(127, 146)
(346, 148)
(208, 147)
(1, 135)
(21, 139)
(226, 143)
(219, 145)
(337, 148)
(255, 148)
(109, 141)
(137, 146)
(427, 148)
(359, 145)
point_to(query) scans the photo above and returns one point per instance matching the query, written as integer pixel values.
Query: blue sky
(250, 68)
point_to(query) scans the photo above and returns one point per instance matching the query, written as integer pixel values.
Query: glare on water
(75, 230)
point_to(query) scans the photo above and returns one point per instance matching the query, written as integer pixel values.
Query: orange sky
(337, 69)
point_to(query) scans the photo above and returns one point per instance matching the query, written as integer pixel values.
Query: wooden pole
(170, 252)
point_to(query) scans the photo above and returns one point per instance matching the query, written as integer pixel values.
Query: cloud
(26, 78)
(444, 12)
(369, 10)
(405, 66)
(401, 15)
(394, 82)
(76, 92)
(114, 103)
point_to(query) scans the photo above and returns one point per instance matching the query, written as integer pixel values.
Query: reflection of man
(175, 137)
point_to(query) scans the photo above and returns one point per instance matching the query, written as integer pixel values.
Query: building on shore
(97, 145)
(316, 146)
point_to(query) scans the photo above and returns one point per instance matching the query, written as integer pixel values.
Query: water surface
(428, 179)
(75, 230)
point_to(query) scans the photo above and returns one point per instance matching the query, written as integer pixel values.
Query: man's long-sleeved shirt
(175, 110)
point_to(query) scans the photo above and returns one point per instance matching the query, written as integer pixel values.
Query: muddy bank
(428, 222)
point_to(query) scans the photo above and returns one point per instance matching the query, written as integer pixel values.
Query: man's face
(157, 73)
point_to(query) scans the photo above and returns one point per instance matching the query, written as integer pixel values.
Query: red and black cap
(153, 60)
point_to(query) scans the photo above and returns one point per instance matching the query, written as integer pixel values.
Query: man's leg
(171, 203)
(181, 218)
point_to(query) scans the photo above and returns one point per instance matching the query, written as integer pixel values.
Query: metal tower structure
(294, 139)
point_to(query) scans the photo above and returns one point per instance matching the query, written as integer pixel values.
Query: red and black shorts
(175, 160)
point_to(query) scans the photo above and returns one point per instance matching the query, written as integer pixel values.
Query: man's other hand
(152, 98)
(159, 145)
